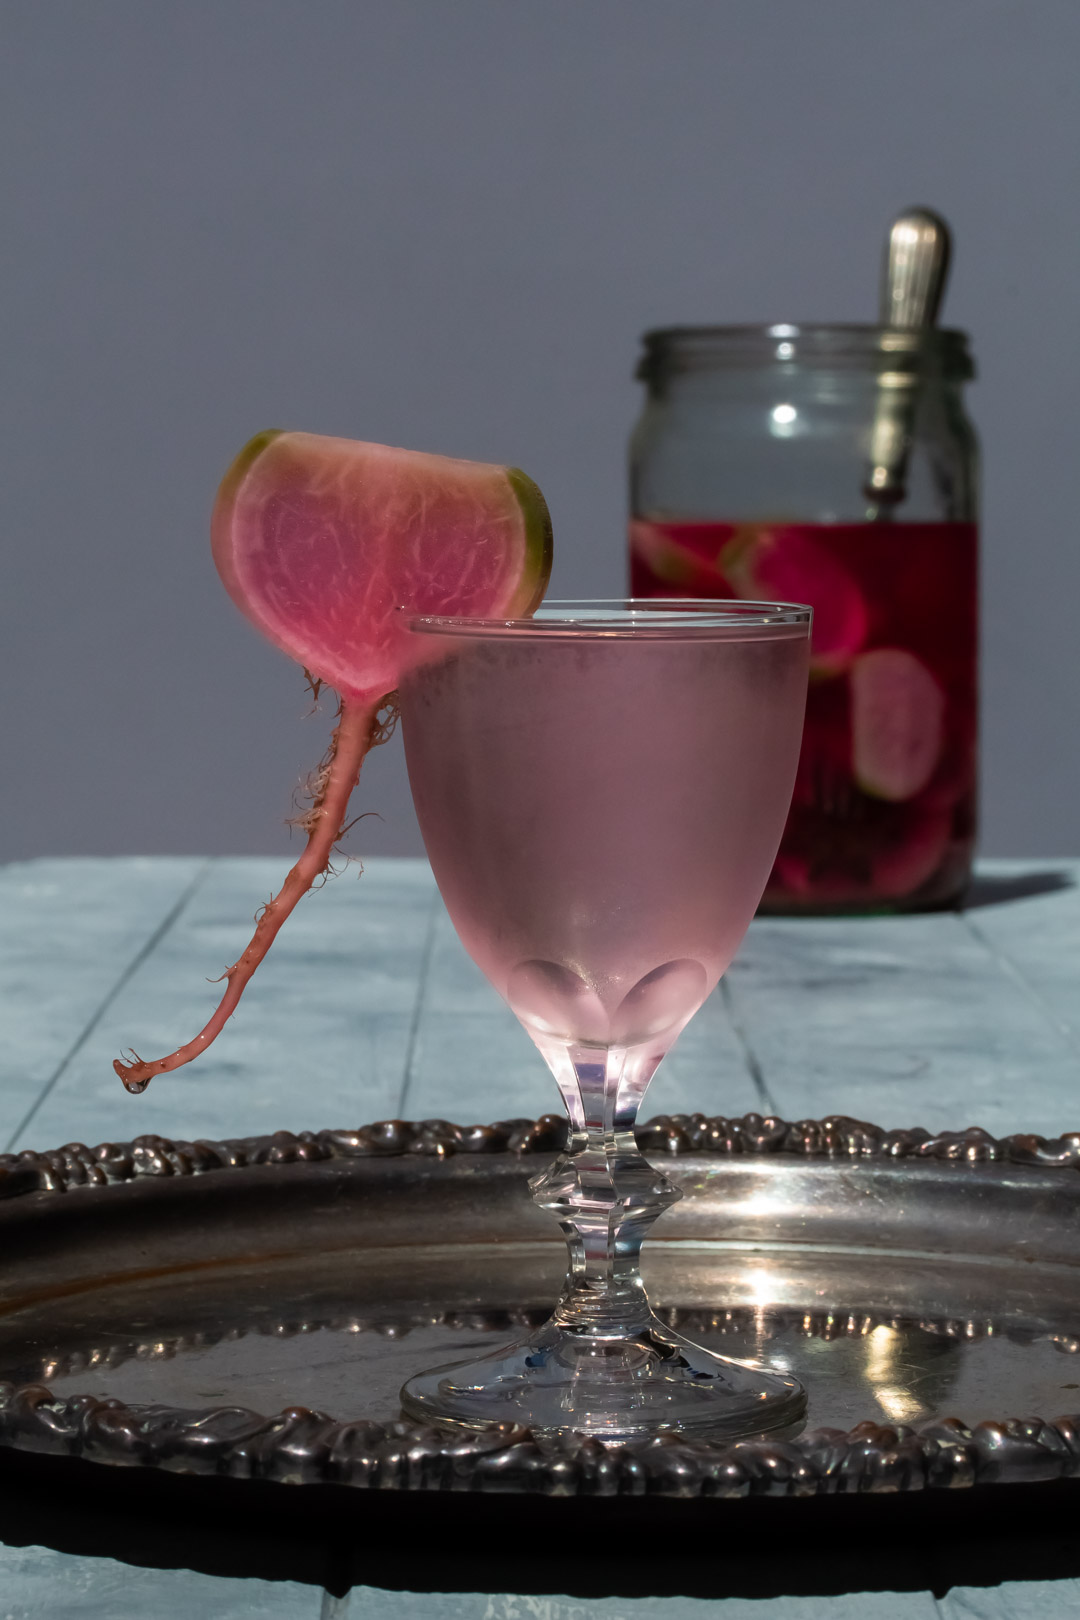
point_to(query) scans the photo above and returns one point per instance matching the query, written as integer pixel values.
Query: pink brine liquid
(601, 812)
(883, 814)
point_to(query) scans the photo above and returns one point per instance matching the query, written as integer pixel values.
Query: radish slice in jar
(897, 723)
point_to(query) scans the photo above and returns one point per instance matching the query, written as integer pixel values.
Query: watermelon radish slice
(786, 565)
(321, 542)
(897, 723)
(912, 861)
(886, 856)
(679, 569)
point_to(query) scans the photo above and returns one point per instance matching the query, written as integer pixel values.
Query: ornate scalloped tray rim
(836, 1136)
(301, 1446)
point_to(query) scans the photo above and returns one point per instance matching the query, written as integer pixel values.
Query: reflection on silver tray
(904, 1276)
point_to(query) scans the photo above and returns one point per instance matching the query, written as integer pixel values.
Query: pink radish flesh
(784, 565)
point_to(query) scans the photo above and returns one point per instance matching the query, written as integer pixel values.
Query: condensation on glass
(834, 465)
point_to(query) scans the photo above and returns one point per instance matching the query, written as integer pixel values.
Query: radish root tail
(360, 727)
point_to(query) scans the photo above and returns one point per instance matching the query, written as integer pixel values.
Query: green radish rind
(225, 502)
(242, 464)
(539, 543)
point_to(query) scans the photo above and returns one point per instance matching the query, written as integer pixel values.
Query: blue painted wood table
(368, 1008)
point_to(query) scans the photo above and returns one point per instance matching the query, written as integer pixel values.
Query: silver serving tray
(249, 1309)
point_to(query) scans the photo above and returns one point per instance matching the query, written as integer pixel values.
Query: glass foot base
(558, 1382)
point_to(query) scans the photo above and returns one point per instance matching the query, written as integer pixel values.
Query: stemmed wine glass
(601, 791)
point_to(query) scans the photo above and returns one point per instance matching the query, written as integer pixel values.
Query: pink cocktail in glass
(601, 791)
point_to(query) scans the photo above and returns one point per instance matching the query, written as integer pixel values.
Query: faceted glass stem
(602, 1364)
(601, 1189)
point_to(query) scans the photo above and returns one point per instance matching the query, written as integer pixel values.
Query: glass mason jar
(834, 465)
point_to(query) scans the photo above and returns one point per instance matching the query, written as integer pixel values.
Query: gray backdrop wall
(445, 225)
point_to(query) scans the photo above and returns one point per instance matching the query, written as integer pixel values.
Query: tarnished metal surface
(912, 285)
(916, 264)
(924, 1288)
